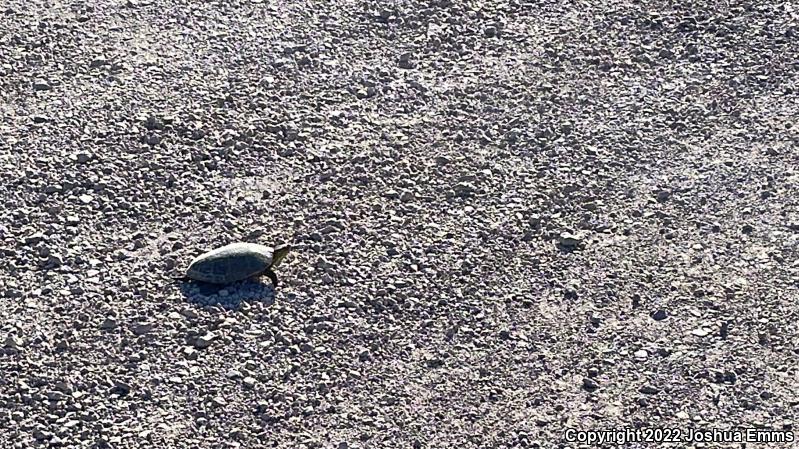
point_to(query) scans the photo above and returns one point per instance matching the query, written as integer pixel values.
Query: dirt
(510, 220)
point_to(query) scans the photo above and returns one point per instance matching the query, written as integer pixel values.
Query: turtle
(236, 262)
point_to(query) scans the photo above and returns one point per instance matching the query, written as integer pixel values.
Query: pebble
(143, 328)
(649, 389)
(153, 139)
(407, 196)
(108, 323)
(590, 384)
(190, 353)
(34, 238)
(120, 388)
(82, 158)
(406, 62)
(659, 315)
(85, 199)
(569, 240)
(205, 340)
(13, 342)
(41, 85)
(189, 314)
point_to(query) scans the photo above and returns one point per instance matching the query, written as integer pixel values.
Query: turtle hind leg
(272, 276)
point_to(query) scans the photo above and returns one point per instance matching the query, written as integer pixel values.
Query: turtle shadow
(230, 296)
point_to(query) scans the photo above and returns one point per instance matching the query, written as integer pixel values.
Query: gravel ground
(511, 218)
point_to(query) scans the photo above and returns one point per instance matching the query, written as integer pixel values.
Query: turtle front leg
(272, 276)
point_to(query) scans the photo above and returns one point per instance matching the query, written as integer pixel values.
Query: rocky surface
(515, 218)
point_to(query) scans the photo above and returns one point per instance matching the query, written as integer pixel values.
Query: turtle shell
(230, 263)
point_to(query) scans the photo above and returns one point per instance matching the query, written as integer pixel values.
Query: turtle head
(279, 253)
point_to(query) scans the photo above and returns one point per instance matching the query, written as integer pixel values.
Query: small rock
(590, 384)
(649, 389)
(82, 158)
(724, 332)
(153, 139)
(190, 353)
(108, 323)
(249, 382)
(406, 62)
(13, 342)
(153, 122)
(120, 388)
(55, 396)
(464, 190)
(205, 340)
(85, 199)
(384, 14)
(641, 354)
(170, 263)
(42, 435)
(407, 196)
(41, 84)
(143, 328)
(659, 315)
(747, 229)
(98, 62)
(189, 314)
(663, 196)
(34, 238)
(365, 92)
(569, 240)
(700, 332)
(55, 260)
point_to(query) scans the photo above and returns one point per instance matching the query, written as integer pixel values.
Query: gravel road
(510, 219)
